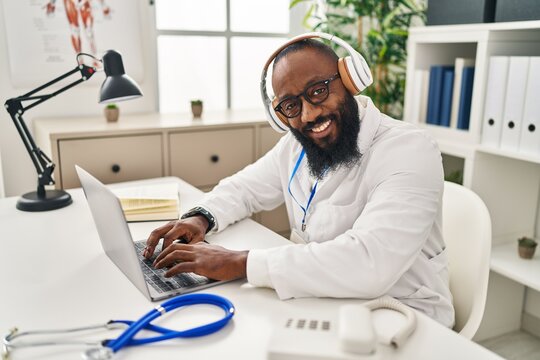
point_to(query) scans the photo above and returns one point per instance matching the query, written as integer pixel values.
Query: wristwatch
(198, 210)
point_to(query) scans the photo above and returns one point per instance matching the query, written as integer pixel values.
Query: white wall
(19, 173)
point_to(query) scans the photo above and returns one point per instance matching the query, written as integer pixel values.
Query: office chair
(467, 233)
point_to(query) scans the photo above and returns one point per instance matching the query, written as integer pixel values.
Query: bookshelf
(508, 182)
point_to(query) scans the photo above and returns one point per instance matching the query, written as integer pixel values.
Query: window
(214, 50)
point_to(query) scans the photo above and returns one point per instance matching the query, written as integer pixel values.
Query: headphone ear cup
(350, 77)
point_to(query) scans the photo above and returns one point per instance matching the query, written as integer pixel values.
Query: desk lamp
(116, 87)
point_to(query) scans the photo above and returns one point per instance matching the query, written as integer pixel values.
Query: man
(363, 193)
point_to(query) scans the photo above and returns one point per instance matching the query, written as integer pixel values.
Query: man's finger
(170, 249)
(181, 268)
(154, 238)
(174, 256)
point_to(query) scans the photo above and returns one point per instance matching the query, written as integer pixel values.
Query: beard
(343, 151)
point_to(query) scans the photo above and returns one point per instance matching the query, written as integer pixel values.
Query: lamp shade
(117, 85)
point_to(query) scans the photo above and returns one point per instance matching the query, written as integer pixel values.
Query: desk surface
(54, 274)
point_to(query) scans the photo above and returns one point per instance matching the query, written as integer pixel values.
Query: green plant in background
(378, 30)
(196, 102)
(112, 106)
(455, 176)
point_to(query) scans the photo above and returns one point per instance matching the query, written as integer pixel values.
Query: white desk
(54, 274)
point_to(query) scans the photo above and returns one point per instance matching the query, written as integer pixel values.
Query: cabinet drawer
(203, 158)
(112, 159)
(268, 138)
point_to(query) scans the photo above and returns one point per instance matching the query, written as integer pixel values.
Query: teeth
(321, 127)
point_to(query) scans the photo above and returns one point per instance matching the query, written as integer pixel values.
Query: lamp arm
(43, 164)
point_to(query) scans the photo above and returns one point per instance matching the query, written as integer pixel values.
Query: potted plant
(196, 108)
(526, 247)
(111, 112)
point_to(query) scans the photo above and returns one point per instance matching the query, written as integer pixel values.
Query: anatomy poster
(44, 36)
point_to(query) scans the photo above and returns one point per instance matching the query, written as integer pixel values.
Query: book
(154, 202)
(436, 74)
(459, 64)
(446, 97)
(464, 110)
(421, 83)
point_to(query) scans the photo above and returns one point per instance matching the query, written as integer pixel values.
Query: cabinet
(508, 182)
(142, 146)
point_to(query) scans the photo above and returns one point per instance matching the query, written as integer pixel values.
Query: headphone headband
(353, 71)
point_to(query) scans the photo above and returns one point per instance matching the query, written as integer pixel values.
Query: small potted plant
(196, 108)
(112, 112)
(526, 247)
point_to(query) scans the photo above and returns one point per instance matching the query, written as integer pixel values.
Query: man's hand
(191, 230)
(212, 261)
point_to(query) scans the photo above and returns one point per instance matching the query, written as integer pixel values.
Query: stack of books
(149, 203)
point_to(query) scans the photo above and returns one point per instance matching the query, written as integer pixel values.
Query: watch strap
(198, 210)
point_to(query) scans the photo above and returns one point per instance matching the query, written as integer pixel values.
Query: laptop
(126, 254)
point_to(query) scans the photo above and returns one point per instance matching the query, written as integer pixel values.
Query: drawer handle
(214, 158)
(115, 168)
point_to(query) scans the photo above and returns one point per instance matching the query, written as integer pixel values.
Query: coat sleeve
(406, 183)
(255, 188)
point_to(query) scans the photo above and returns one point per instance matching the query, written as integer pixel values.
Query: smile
(322, 126)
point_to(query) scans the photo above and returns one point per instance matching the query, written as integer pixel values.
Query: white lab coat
(371, 230)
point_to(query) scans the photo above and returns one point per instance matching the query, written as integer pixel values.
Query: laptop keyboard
(156, 277)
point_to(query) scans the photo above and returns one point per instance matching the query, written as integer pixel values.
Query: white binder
(494, 100)
(459, 64)
(518, 70)
(420, 94)
(530, 130)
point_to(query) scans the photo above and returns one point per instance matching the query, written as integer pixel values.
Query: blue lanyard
(313, 190)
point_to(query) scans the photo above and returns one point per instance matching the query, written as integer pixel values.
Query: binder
(446, 97)
(460, 63)
(420, 95)
(494, 101)
(464, 108)
(436, 74)
(518, 69)
(530, 130)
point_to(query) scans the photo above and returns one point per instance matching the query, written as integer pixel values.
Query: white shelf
(498, 26)
(510, 154)
(505, 261)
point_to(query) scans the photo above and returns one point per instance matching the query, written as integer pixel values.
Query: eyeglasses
(314, 94)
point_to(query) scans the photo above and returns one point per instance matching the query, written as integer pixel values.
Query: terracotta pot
(526, 252)
(112, 114)
(196, 109)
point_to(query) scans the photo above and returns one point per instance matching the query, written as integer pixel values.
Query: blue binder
(464, 111)
(436, 74)
(446, 97)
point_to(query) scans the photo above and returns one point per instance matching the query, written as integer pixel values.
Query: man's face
(292, 75)
(328, 131)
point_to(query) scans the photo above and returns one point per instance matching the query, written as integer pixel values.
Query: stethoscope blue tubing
(127, 337)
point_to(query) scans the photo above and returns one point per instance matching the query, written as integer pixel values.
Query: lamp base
(53, 199)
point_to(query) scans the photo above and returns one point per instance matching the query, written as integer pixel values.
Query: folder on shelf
(494, 100)
(446, 97)
(518, 69)
(421, 78)
(464, 108)
(460, 63)
(530, 130)
(436, 74)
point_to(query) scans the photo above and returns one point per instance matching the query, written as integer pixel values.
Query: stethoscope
(107, 348)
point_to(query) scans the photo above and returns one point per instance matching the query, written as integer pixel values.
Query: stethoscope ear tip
(98, 353)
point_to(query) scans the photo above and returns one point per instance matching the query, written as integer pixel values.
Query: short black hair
(304, 44)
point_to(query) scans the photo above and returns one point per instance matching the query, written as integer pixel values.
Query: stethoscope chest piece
(98, 353)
